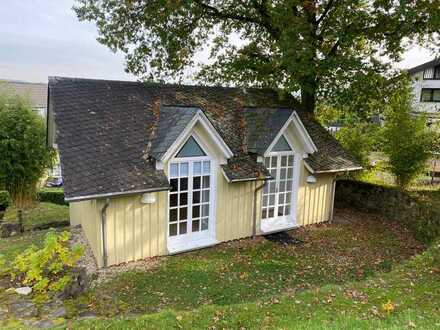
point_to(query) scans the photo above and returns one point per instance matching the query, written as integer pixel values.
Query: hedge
(55, 196)
(420, 217)
(5, 200)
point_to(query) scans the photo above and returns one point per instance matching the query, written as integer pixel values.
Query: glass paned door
(277, 193)
(189, 199)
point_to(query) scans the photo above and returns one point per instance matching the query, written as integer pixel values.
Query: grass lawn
(12, 246)
(411, 290)
(258, 271)
(39, 214)
(339, 278)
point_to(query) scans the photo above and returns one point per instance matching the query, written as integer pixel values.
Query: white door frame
(190, 241)
(285, 222)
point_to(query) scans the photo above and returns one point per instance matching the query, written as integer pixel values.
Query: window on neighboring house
(430, 95)
(432, 73)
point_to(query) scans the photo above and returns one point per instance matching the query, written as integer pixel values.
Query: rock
(43, 324)
(25, 290)
(78, 284)
(10, 229)
(3, 313)
(86, 315)
(23, 309)
(57, 313)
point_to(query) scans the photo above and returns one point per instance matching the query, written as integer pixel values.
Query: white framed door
(190, 211)
(278, 209)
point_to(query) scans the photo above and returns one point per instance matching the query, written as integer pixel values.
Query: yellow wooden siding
(87, 214)
(136, 230)
(234, 209)
(314, 199)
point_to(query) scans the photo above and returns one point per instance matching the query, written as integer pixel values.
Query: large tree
(315, 48)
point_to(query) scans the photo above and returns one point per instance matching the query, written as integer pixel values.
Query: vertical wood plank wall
(234, 209)
(137, 231)
(314, 200)
(87, 214)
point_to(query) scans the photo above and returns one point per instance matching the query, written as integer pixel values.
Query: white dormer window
(191, 149)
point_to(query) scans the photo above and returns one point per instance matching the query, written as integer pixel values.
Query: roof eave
(116, 194)
(347, 169)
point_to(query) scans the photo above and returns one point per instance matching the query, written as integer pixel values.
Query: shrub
(24, 155)
(5, 200)
(52, 196)
(406, 141)
(48, 268)
(358, 141)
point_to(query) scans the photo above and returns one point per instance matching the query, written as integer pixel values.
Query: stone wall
(419, 216)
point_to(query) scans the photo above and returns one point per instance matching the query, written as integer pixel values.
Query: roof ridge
(156, 83)
(435, 61)
(21, 82)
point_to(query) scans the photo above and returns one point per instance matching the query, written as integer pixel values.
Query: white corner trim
(307, 141)
(201, 118)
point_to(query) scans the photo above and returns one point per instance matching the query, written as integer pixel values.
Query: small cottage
(157, 169)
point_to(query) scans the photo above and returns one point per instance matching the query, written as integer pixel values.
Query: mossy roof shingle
(109, 132)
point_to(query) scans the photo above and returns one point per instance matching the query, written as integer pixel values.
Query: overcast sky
(41, 38)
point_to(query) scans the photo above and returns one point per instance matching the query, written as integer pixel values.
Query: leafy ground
(340, 277)
(408, 297)
(39, 214)
(252, 271)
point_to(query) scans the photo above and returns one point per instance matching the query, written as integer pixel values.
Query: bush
(55, 196)
(406, 140)
(5, 200)
(48, 268)
(24, 154)
(358, 141)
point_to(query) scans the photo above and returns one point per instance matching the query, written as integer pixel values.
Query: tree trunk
(308, 100)
(308, 95)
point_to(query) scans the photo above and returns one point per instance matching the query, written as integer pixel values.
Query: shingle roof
(245, 168)
(36, 92)
(172, 122)
(424, 66)
(108, 132)
(330, 157)
(263, 124)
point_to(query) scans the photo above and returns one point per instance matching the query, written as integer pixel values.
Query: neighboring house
(154, 169)
(426, 88)
(36, 93)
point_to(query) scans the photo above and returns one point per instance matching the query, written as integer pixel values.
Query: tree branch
(325, 12)
(264, 20)
(215, 12)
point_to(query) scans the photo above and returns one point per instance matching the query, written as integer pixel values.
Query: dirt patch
(98, 275)
(283, 238)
